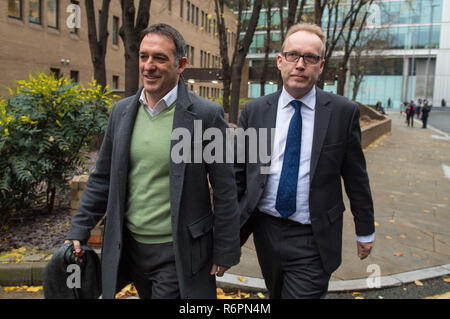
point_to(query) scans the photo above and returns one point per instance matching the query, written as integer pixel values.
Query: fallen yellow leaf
(219, 291)
(447, 280)
(245, 295)
(418, 283)
(359, 297)
(427, 211)
(398, 254)
(376, 224)
(402, 236)
(241, 279)
(8, 289)
(355, 293)
(34, 288)
(21, 250)
(388, 237)
(260, 295)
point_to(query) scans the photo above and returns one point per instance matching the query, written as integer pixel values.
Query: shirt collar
(162, 104)
(309, 100)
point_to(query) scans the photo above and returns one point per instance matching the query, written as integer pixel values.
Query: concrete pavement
(407, 170)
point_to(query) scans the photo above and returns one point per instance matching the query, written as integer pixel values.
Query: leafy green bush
(45, 127)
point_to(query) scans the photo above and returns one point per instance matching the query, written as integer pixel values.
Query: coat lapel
(321, 120)
(125, 130)
(183, 119)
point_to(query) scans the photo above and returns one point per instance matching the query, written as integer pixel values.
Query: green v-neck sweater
(148, 204)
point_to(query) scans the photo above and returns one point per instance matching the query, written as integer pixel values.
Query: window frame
(39, 12)
(56, 16)
(20, 17)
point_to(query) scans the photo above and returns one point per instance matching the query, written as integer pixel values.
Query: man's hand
(364, 249)
(218, 270)
(78, 252)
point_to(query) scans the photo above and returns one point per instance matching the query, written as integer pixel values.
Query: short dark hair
(171, 33)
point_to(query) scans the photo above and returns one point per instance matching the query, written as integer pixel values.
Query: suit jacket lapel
(321, 120)
(269, 116)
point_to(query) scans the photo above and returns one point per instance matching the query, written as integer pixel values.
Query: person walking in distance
(410, 112)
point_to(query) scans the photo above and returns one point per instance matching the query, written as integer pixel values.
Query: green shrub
(45, 127)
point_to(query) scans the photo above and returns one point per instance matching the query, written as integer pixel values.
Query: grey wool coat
(202, 236)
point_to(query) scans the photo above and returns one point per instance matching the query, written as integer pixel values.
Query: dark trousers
(289, 258)
(151, 268)
(410, 119)
(424, 120)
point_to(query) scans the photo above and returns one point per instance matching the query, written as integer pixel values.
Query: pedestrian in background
(410, 111)
(419, 108)
(425, 112)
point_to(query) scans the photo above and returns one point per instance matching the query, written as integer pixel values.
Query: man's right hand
(78, 252)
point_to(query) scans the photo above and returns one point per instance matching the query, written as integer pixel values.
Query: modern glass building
(406, 54)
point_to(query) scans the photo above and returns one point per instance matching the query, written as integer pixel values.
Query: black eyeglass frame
(306, 57)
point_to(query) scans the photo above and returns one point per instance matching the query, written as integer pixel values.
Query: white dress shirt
(285, 112)
(162, 104)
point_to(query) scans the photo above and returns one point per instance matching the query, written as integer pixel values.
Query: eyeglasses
(307, 58)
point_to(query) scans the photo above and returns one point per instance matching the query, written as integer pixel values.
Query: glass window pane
(15, 8)
(35, 11)
(52, 13)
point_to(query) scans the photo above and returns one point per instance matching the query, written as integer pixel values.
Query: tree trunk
(267, 44)
(239, 59)
(223, 45)
(98, 43)
(342, 72)
(130, 34)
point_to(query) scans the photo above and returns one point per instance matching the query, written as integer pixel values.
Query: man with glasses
(296, 211)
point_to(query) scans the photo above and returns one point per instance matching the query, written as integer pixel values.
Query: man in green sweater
(161, 232)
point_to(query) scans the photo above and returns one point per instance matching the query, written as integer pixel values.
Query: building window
(115, 82)
(15, 9)
(188, 10)
(35, 11)
(56, 72)
(115, 39)
(74, 75)
(196, 16)
(52, 13)
(74, 30)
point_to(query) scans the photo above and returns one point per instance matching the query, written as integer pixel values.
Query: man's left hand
(364, 249)
(218, 270)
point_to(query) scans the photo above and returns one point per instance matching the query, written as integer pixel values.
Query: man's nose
(300, 63)
(149, 64)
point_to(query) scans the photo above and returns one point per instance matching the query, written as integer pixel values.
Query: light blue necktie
(287, 188)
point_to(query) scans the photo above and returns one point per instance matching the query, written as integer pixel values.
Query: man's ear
(279, 60)
(322, 64)
(182, 64)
